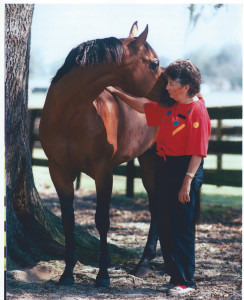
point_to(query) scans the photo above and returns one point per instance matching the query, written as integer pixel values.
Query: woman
(182, 143)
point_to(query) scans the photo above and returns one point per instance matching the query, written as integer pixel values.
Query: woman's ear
(186, 87)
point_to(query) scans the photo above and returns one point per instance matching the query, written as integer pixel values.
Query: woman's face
(176, 91)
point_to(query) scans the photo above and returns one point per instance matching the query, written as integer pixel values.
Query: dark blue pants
(176, 221)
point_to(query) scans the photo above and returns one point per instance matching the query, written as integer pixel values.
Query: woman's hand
(134, 102)
(110, 89)
(184, 193)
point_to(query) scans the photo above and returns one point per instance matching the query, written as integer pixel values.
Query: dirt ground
(218, 258)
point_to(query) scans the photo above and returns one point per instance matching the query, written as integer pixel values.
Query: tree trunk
(33, 232)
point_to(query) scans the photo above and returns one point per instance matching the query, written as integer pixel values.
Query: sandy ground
(218, 258)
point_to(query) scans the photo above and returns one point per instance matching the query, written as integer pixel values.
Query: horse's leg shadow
(104, 182)
(148, 164)
(65, 190)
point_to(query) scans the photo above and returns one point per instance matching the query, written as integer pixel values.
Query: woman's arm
(184, 193)
(134, 102)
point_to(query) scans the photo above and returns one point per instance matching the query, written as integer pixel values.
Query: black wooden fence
(217, 146)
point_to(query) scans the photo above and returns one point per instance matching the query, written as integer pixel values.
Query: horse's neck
(85, 86)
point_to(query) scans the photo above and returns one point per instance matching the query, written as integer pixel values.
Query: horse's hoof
(102, 282)
(65, 280)
(142, 270)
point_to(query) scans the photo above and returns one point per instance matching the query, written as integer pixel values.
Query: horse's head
(129, 63)
(140, 65)
(159, 92)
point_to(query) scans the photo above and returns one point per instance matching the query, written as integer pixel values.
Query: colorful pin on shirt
(176, 123)
(178, 129)
(169, 112)
(195, 124)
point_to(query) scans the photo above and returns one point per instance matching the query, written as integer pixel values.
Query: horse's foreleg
(65, 190)
(104, 182)
(148, 164)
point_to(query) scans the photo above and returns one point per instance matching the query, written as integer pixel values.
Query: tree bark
(33, 232)
(24, 208)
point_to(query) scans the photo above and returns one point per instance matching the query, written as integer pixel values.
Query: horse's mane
(91, 53)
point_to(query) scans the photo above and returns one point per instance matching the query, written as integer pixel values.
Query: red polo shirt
(184, 129)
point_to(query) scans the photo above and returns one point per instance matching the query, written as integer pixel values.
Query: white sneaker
(180, 290)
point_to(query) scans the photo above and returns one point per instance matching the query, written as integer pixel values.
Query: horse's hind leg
(104, 182)
(65, 190)
(148, 163)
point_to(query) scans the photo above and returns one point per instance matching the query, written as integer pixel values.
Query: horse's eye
(154, 65)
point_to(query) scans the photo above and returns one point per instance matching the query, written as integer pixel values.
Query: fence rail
(217, 146)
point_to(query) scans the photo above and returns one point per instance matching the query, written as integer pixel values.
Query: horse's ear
(133, 30)
(127, 41)
(141, 39)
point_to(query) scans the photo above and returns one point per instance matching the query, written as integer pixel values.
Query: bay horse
(84, 128)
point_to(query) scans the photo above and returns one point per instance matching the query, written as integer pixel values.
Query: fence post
(32, 117)
(131, 171)
(218, 135)
(77, 186)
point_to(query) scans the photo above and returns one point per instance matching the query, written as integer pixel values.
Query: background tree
(197, 11)
(222, 69)
(33, 232)
(24, 209)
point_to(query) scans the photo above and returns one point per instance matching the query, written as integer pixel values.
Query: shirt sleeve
(153, 114)
(199, 129)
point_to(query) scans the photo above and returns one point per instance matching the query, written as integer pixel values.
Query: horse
(84, 128)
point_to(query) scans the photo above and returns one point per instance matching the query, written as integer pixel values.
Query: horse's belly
(135, 142)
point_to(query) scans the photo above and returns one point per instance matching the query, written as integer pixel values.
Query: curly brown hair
(185, 72)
